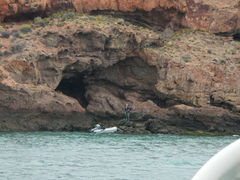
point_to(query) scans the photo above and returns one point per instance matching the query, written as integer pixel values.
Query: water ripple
(65, 155)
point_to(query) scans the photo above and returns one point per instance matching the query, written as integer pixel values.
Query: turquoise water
(65, 155)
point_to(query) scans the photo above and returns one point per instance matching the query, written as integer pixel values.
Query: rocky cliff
(69, 71)
(213, 16)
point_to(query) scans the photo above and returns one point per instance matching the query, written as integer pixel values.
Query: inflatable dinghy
(99, 129)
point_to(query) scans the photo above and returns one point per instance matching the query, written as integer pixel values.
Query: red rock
(206, 15)
(212, 16)
(89, 71)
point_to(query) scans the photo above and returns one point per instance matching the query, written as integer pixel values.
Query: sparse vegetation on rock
(17, 48)
(5, 34)
(15, 33)
(66, 16)
(186, 58)
(6, 53)
(60, 24)
(25, 28)
(39, 21)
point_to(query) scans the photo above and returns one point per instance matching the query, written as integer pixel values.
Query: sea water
(74, 155)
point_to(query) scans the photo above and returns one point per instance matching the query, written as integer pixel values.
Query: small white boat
(99, 129)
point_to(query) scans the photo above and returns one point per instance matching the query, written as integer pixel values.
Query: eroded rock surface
(71, 76)
(213, 16)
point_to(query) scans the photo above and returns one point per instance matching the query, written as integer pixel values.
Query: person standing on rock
(127, 109)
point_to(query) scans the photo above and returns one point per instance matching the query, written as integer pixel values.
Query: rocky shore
(66, 71)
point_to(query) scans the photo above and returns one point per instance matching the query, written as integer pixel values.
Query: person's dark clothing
(127, 113)
(128, 109)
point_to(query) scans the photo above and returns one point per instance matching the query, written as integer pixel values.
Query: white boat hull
(106, 130)
(225, 165)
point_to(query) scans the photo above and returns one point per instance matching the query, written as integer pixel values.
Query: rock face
(212, 16)
(15, 10)
(70, 76)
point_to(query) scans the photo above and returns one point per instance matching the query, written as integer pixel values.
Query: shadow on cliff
(74, 87)
(157, 19)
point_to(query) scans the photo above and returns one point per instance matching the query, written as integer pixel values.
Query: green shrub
(69, 15)
(17, 48)
(39, 21)
(6, 53)
(80, 15)
(186, 58)
(47, 20)
(60, 24)
(21, 35)
(100, 18)
(25, 28)
(14, 40)
(57, 15)
(15, 33)
(215, 60)
(222, 62)
(5, 34)
(50, 42)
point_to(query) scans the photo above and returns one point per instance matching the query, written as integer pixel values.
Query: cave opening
(164, 102)
(24, 16)
(236, 37)
(74, 87)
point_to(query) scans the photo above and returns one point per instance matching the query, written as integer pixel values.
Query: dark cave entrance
(24, 16)
(236, 37)
(74, 87)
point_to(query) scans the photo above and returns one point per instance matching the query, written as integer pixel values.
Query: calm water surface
(65, 155)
